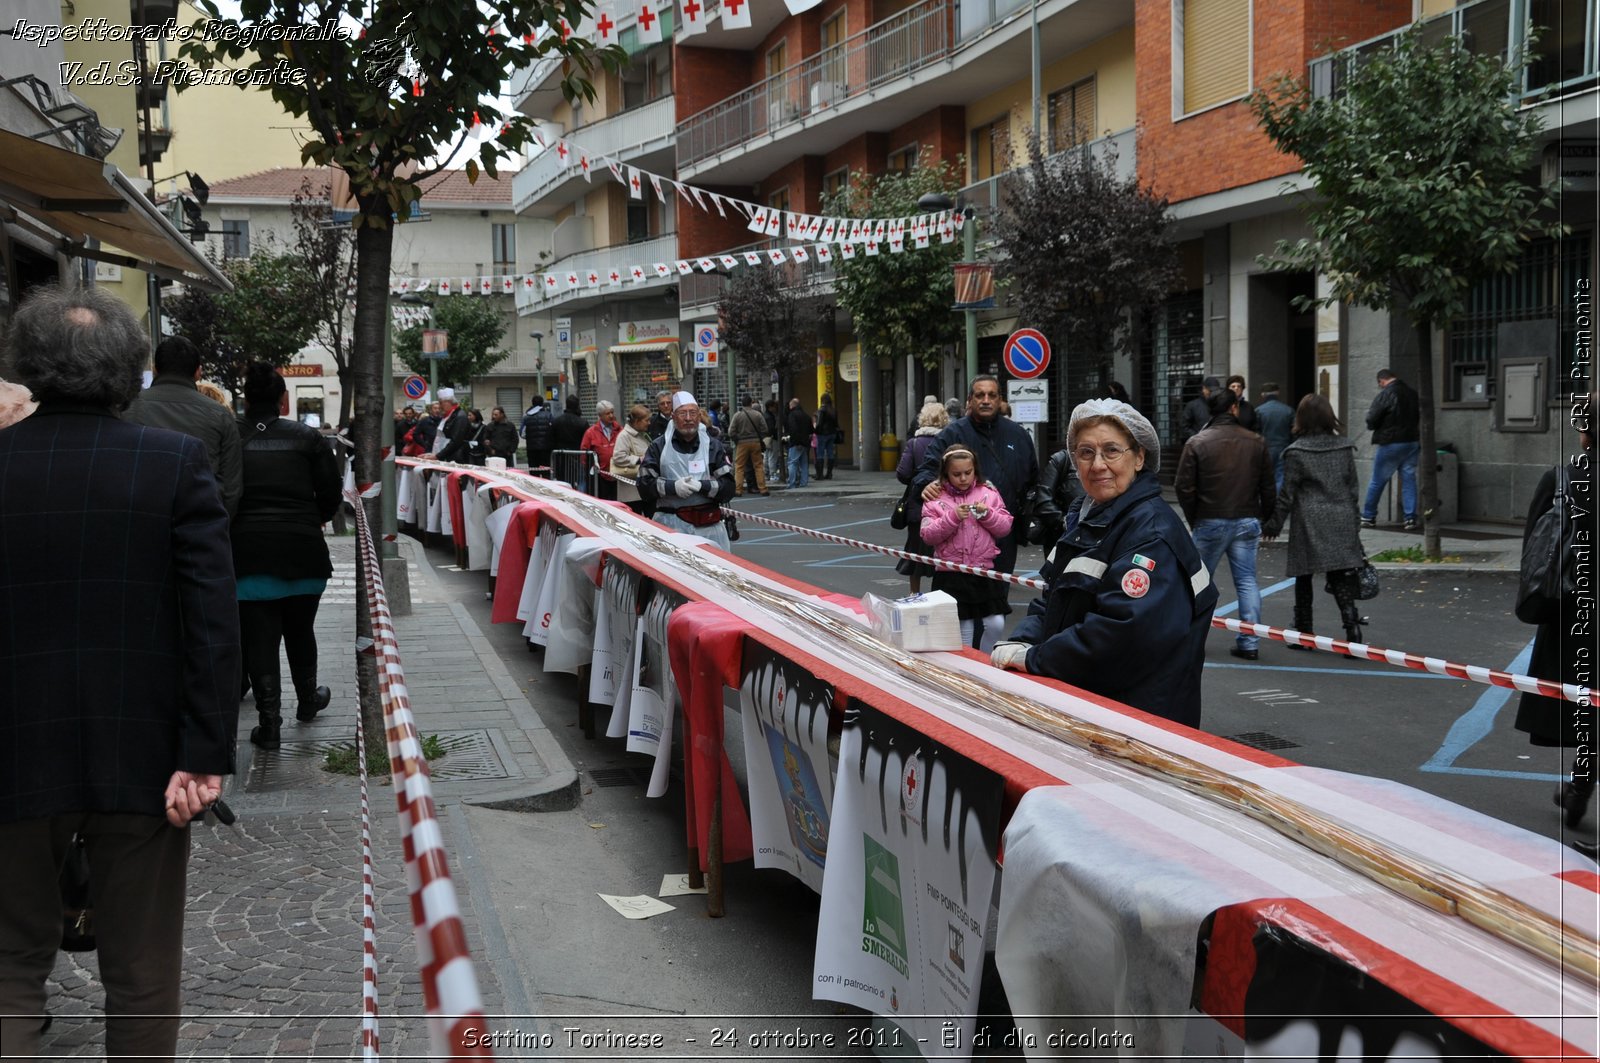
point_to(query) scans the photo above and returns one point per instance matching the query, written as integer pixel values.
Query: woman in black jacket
(291, 488)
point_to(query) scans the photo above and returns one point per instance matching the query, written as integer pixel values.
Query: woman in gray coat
(1319, 493)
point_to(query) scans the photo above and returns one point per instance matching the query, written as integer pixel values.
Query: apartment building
(462, 230)
(780, 111)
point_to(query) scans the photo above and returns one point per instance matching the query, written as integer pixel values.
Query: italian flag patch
(1144, 562)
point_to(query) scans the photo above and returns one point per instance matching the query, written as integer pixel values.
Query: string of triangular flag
(817, 237)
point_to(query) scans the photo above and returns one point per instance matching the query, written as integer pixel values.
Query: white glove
(686, 486)
(1013, 655)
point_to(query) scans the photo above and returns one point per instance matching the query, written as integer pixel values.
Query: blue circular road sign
(1027, 353)
(415, 387)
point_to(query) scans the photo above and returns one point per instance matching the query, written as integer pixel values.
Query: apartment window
(235, 239)
(904, 160)
(660, 73)
(638, 221)
(1210, 51)
(1540, 288)
(1072, 120)
(778, 59)
(832, 67)
(834, 184)
(779, 200)
(991, 149)
(503, 241)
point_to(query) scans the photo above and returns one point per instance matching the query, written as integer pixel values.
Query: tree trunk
(374, 248)
(1427, 460)
(347, 395)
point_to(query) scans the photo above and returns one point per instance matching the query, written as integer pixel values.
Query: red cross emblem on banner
(527, 282)
(561, 150)
(638, 274)
(550, 281)
(1135, 583)
(615, 276)
(647, 18)
(635, 182)
(605, 26)
(691, 11)
(733, 6)
(594, 278)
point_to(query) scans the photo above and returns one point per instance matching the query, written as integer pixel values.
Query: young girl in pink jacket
(962, 525)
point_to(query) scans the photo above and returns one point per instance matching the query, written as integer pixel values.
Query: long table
(895, 784)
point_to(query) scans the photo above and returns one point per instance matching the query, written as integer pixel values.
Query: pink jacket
(965, 541)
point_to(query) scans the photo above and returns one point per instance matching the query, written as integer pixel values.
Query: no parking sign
(705, 347)
(415, 387)
(1027, 353)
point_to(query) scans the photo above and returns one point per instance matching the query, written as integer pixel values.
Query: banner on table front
(785, 711)
(909, 876)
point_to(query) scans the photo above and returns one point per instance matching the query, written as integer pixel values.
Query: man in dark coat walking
(172, 401)
(119, 696)
(1198, 411)
(1275, 422)
(537, 427)
(1394, 418)
(1005, 457)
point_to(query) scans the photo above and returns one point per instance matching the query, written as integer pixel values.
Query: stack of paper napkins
(920, 622)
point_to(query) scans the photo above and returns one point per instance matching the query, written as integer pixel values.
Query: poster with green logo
(908, 881)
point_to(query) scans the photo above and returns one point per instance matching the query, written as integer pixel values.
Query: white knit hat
(447, 394)
(1135, 423)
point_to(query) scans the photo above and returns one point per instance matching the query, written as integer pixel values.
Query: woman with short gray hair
(600, 440)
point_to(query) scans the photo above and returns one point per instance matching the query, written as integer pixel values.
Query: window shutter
(1216, 51)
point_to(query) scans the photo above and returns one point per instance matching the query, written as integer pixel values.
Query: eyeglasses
(1111, 454)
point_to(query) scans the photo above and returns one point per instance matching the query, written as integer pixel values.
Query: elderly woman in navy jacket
(1129, 601)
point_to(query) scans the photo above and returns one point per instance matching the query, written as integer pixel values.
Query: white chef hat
(447, 394)
(682, 398)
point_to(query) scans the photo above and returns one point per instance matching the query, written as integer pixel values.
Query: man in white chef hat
(687, 474)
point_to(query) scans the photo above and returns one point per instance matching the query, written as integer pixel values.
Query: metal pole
(969, 242)
(388, 498)
(152, 288)
(1035, 39)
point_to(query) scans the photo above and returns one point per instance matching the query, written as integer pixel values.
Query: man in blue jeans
(1226, 489)
(1394, 417)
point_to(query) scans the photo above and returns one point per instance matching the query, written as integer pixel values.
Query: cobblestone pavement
(273, 933)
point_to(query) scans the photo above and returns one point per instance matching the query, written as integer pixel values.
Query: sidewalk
(272, 965)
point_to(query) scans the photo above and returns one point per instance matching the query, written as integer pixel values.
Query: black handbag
(731, 523)
(1366, 582)
(1540, 579)
(901, 518)
(77, 917)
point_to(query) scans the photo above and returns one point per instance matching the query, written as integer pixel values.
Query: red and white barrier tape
(1489, 676)
(1474, 673)
(449, 984)
(369, 932)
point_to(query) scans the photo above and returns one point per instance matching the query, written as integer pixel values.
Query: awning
(70, 198)
(668, 347)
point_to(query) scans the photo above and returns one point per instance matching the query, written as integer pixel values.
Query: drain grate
(469, 755)
(606, 777)
(1263, 740)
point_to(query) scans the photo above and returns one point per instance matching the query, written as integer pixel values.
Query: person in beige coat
(632, 442)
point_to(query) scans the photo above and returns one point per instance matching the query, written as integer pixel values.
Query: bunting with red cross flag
(693, 13)
(648, 21)
(736, 14)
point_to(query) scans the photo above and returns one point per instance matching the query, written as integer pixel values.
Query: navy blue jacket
(119, 656)
(1132, 632)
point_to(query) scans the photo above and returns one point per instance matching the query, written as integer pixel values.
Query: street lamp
(538, 364)
(936, 201)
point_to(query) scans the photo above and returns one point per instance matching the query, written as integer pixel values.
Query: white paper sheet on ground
(602, 673)
(571, 640)
(540, 623)
(533, 580)
(678, 886)
(785, 713)
(496, 523)
(640, 907)
(402, 496)
(908, 882)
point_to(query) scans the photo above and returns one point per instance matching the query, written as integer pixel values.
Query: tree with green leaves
(762, 324)
(476, 326)
(265, 318)
(1087, 254)
(1421, 164)
(384, 106)
(900, 303)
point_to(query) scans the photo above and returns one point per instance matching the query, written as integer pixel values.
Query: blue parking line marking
(1233, 606)
(1474, 726)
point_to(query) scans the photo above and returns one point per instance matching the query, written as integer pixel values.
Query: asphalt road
(1448, 737)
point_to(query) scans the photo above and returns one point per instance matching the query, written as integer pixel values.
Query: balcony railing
(663, 248)
(862, 62)
(623, 136)
(705, 289)
(1563, 59)
(988, 196)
